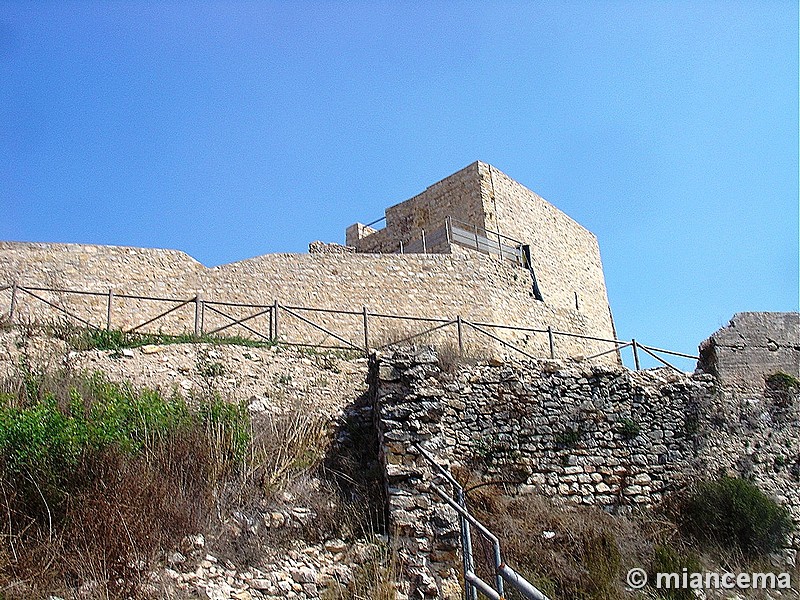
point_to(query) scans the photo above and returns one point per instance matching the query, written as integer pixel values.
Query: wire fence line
(296, 325)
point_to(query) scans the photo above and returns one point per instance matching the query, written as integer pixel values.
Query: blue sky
(233, 129)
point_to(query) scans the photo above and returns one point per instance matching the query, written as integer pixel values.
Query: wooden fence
(296, 325)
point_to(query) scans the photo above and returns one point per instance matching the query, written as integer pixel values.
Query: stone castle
(479, 246)
(476, 244)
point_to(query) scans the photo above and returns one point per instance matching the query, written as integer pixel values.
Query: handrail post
(551, 342)
(366, 332)
(108, 309)
(275, 307)
(13, 301)
(198, 307)
(424, 245)
(500, 245)
(477, 243)
(460, 336)
(271, 317)
(448, 230)
(635, 354)
(402, 250)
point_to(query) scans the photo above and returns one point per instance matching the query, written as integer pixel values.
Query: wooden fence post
(108, 309)
(460, 336)
(366, 332)
(275, 318)
(198, 307)
(635, 354)
(13, 301)
(271, 317)
(551, 341)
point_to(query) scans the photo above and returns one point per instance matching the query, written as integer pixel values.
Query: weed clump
(98, 477)
(668, 559)
(733, 513)
(94, 338)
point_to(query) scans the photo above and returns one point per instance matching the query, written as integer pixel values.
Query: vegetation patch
(99, 477)
(95, 338)
(629, 428)
(734, 514)
(783, 381)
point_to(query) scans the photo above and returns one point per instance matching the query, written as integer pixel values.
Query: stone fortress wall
(751, 347)
(599, 435)
(452, 281)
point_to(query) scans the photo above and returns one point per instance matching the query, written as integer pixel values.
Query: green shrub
(734, 513)
(629, 428)
(782, 381)
(113, 471)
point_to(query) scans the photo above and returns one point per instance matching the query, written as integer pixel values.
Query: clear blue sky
(233, 129)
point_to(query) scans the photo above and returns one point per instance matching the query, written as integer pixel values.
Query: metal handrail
(502, 572)
(485, 230)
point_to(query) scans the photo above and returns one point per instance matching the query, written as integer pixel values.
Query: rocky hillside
(269, 542)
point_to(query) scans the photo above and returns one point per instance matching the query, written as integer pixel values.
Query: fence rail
(275, 322)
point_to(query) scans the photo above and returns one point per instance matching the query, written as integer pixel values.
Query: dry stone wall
(590, 435)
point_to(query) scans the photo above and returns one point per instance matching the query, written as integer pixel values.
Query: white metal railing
(468, 236)
(502, 572)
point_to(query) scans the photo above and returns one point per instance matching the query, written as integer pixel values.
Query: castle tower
(482, 210)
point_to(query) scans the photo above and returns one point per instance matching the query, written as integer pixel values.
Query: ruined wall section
(753, 346)
(565, 255)
(590, 435)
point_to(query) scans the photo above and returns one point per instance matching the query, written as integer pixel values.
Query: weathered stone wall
(458, 281)
(457, 196)
(590, 435)
(469, 284)
(565, 256)
(751, 347)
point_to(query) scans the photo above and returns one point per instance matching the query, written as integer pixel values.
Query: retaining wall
(590, 435)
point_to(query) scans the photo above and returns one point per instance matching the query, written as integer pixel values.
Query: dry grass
(374, 579)
(98, 479)
(568, 552)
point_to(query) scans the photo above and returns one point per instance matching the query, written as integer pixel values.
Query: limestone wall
(467, 284)
(600, 436)
(751, 347)
(456, 281)
(565, 255)
(457, 196)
